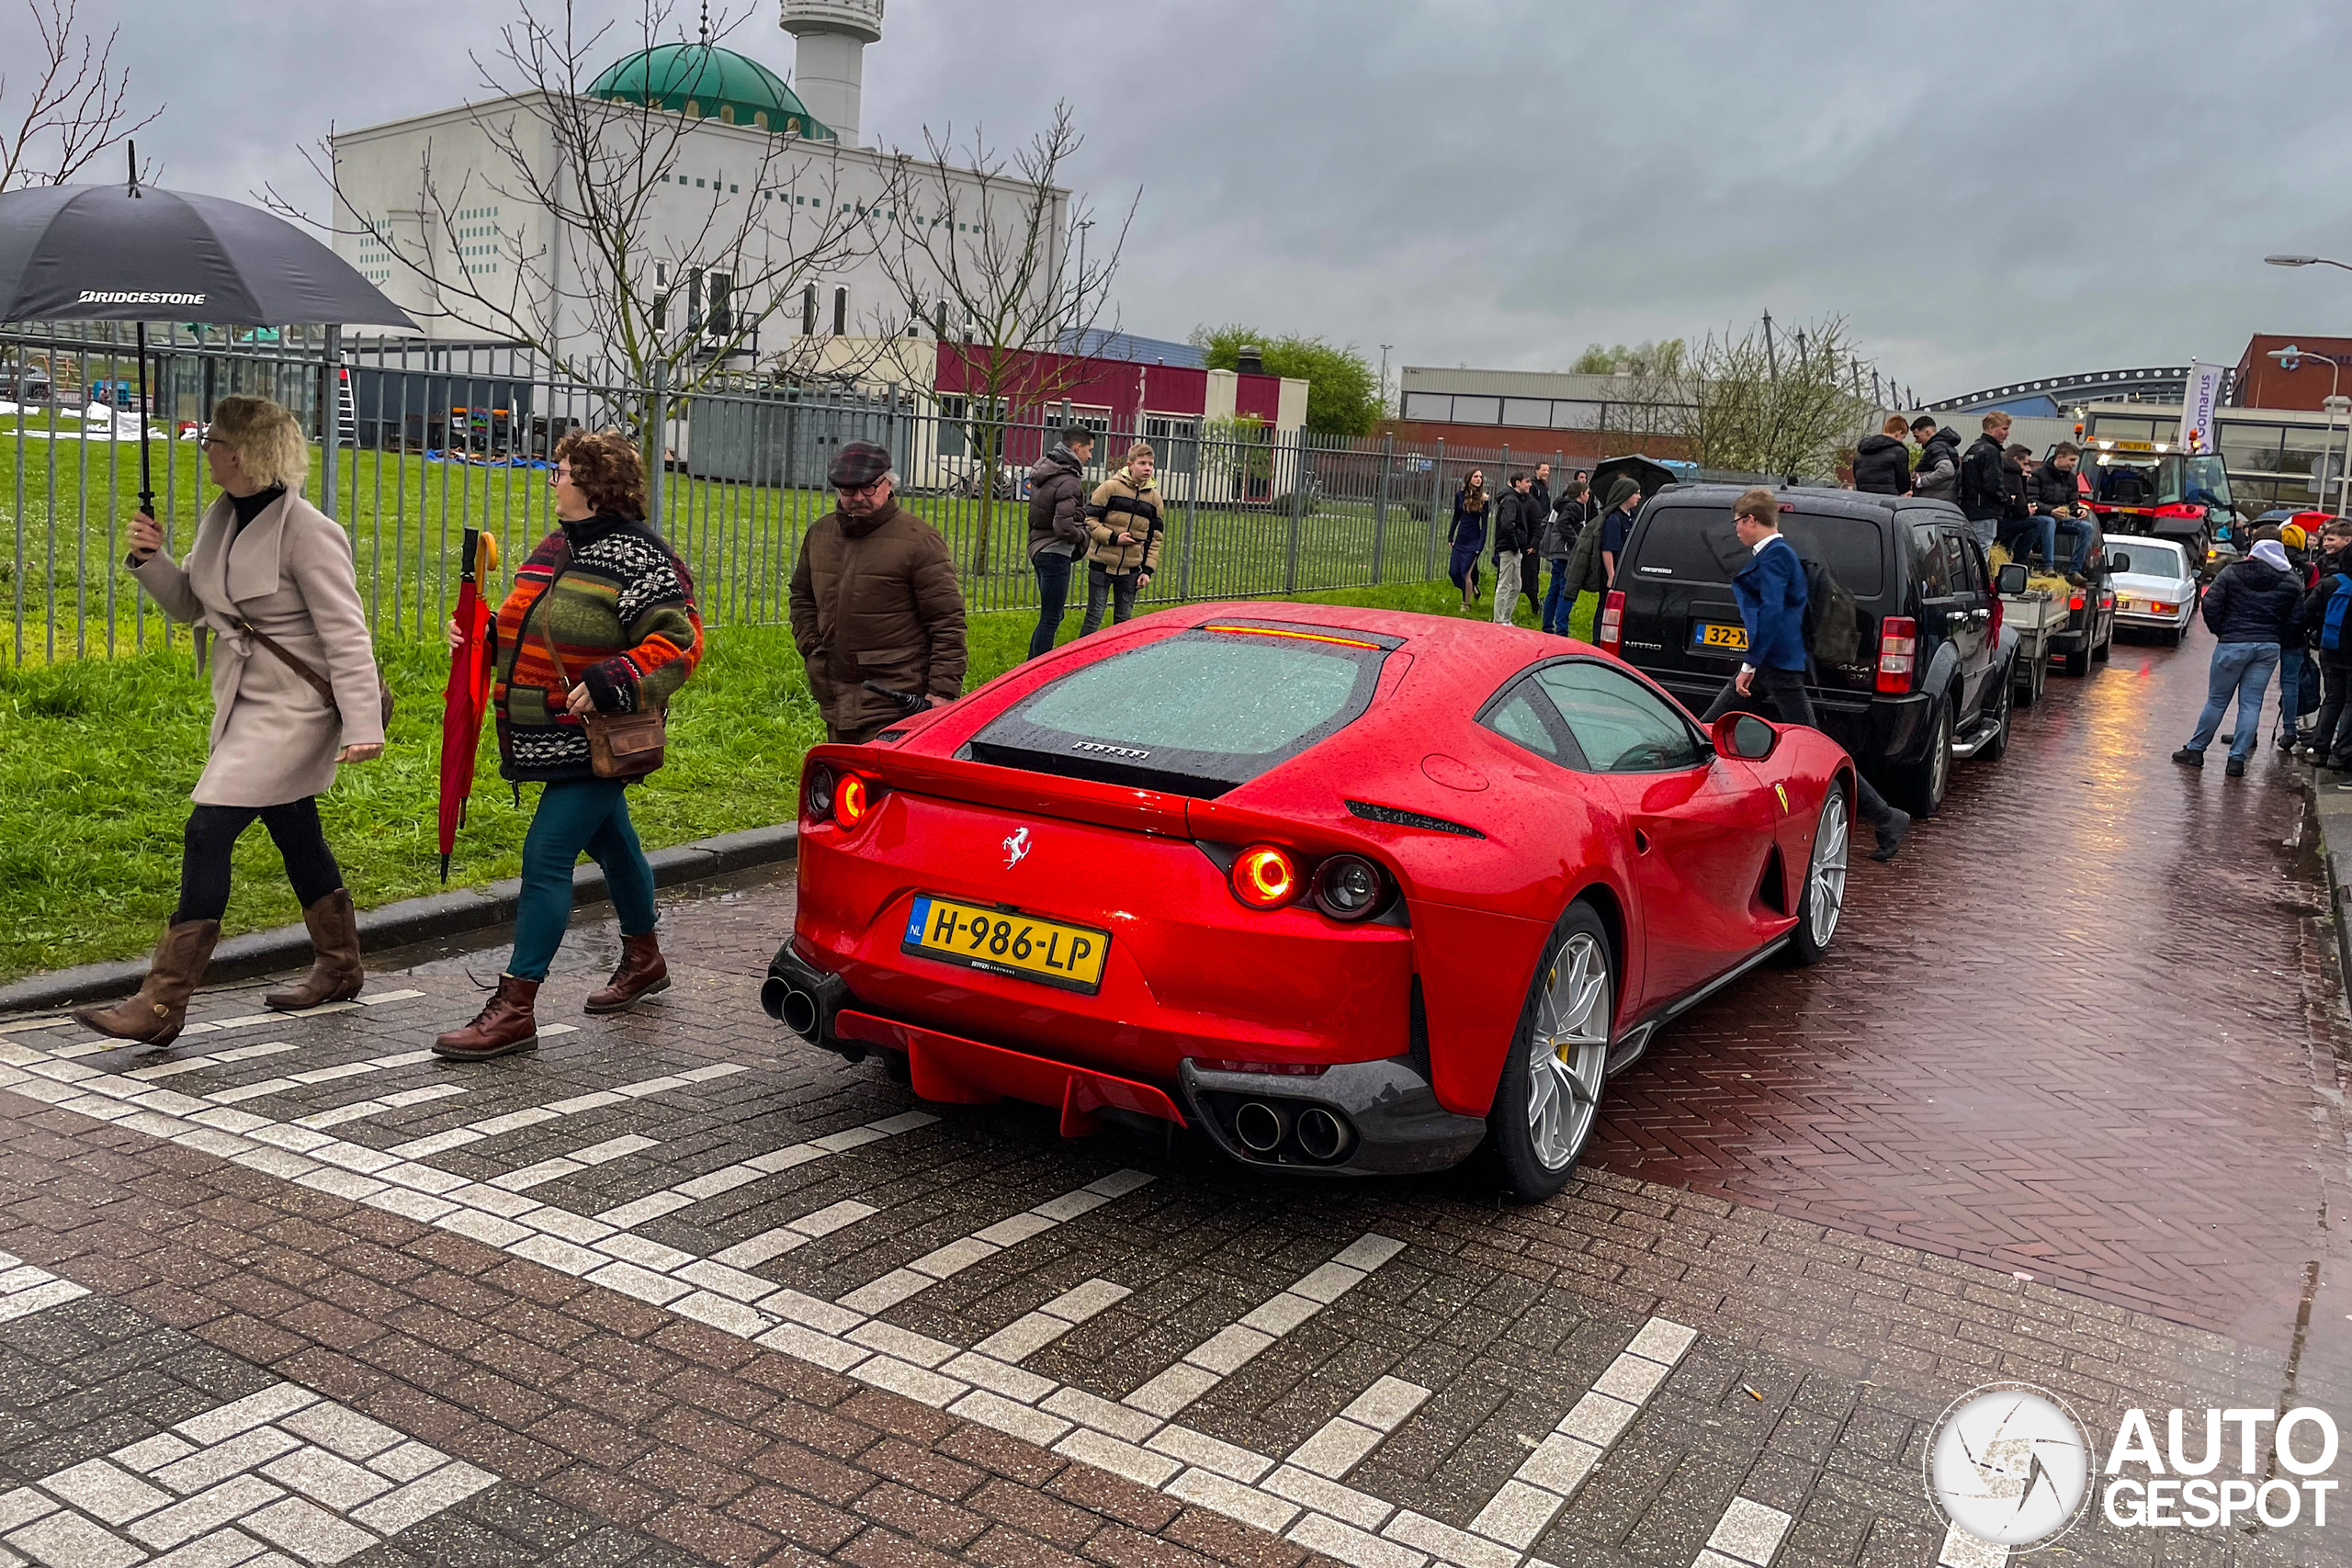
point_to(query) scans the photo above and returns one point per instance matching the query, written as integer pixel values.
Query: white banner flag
(2197, 408)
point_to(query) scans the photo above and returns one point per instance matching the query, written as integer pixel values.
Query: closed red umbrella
(465, 697)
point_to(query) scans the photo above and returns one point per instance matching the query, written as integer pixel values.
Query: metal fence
(413, 443)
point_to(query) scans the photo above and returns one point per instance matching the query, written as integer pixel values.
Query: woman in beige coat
(266, 564)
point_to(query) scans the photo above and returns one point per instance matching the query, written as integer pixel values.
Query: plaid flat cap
(858, 464)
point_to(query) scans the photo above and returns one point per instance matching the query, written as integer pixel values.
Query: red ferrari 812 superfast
(1350, 891)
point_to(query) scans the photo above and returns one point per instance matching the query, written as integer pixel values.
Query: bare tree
(1767, 405)
(999, 262)
(632, 278)
(76, 109)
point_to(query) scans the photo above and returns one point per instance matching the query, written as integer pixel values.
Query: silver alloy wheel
(1567, 1052)
(1830, 842)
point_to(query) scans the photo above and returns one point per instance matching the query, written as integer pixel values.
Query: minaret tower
(829, 66)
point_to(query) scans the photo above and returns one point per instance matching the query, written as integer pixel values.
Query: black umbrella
(1648, 475)
(134, 252)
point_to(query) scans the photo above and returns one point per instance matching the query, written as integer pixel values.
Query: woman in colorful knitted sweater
(621, 608)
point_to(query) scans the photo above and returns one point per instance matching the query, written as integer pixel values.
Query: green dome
(710, 82)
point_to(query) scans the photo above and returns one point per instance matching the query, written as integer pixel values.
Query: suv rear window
(1692, 544)
(1199, 713)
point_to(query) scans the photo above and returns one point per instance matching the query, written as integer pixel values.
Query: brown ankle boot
(336, 972)
(641, 974)
(504, 1024)
(156, 1015)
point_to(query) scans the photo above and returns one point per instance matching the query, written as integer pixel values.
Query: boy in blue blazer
(1772, 594)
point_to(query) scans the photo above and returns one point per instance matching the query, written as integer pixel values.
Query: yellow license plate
(1002, 942)
(1714, 633)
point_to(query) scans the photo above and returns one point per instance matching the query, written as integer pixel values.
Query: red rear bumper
(951, 1070)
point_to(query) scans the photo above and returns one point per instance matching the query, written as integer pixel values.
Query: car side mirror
(2118, 563)
(2012, 578)
(1745, 735)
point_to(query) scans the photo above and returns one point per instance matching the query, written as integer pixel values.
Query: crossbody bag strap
(547, 640)
(317, 681)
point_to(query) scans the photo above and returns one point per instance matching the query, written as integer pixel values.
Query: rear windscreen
(1690, 544)
(1196, 714)
(2144, 558)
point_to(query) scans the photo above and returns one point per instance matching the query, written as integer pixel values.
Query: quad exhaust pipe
(1259, 1127)
(1267, 1131)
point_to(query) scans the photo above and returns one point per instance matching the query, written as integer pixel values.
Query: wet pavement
(2062, 1106)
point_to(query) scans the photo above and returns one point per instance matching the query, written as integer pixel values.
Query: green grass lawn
(97, 758)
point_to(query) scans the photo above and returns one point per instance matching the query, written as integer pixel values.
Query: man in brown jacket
(875, 598)
(1124, 521)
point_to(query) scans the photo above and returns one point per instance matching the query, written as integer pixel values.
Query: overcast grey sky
(1988, 191)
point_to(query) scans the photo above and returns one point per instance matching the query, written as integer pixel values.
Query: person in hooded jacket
(1937, 473)
(2251, 609)
(1882, 463)
(1124, 520)
(2330, 742)
(1056, 528)
(1468, 533)
(1559, 543)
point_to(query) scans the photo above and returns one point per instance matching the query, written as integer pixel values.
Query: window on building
(1177, 440)
(698, 185)
(734, 191)
(760, 118)
(1433, 406)
(808, 312)
(727, 114)
(840, 312)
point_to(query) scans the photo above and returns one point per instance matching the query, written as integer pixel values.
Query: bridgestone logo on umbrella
(136, 296)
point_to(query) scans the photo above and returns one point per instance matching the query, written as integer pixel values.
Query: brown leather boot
(504, 1024)
(336, 972)
(156, 1014)
(641, 974)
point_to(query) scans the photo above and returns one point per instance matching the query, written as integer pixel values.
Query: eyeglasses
(862, 491)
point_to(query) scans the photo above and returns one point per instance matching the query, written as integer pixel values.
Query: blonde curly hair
(266, 438)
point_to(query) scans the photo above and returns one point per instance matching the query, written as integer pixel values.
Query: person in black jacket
(2330, 743)
(1516, 526)
(1937, 474)
(1882, 463)
(1558, 544)
(1984, 488)
(2252, 609)
(2056, 504)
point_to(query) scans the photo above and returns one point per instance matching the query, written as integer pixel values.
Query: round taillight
(852, 798)
(1265, 877)
(1348, 887)
(820, 792)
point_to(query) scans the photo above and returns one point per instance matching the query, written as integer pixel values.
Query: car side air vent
(1403, 818)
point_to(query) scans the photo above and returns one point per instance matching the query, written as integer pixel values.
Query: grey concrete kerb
(411, 921)
(2332, 806)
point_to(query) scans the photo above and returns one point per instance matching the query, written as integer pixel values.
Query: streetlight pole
(2290, 358)
(2285, 358)
(1384, 377)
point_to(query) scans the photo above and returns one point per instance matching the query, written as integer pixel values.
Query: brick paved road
(671, 1291)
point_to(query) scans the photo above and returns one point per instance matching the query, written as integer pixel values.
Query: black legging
(213, 832)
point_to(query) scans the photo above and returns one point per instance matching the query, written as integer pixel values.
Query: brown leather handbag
(620, 744)
(317, 681)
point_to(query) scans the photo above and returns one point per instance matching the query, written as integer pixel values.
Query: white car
(2155, 585)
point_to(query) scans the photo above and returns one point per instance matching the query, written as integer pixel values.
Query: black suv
(1931, 681)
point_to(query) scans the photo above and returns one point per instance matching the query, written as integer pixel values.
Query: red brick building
(2263, 384)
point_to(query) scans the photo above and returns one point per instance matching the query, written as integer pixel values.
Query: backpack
(1833, 623)
(2331, 626)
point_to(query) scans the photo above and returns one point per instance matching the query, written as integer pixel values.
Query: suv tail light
(1996, 637)
(1612, 625)
(1898, 650)
(2075, 603)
